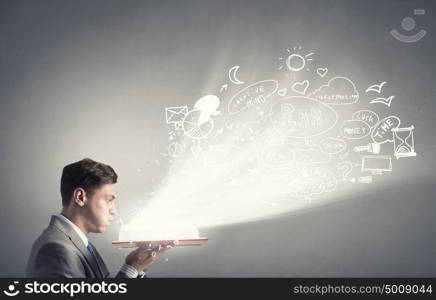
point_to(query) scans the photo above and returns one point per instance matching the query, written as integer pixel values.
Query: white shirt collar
(76, 229)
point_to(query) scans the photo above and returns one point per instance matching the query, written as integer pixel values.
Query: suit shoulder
(53, 252)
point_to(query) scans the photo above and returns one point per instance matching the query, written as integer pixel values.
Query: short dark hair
(87, 174)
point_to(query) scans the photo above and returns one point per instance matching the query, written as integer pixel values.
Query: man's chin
(101, 229)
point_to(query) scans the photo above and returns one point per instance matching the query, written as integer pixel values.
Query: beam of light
(236, 191)
(247, 184)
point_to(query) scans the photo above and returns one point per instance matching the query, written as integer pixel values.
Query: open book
(177, 242)
(181, 234)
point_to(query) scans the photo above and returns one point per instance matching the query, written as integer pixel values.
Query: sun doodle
(295, 60)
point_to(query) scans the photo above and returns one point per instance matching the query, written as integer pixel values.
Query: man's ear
(79, 197)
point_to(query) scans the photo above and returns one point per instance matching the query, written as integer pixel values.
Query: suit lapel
(75, 239)
(101, 264)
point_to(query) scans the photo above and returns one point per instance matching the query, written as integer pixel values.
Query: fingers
(159, 250)
(146, 250)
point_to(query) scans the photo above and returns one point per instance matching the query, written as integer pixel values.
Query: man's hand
(146, 255)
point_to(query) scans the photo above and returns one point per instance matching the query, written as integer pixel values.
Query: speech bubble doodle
(368, 116)
(382, 132)
(354, 129)
(252, 95)
(338, 91)
(302, 117)
(332, 145)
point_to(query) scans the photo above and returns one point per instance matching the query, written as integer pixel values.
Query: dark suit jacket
(59, 252)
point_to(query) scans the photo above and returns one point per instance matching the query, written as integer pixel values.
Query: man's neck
(76, 220)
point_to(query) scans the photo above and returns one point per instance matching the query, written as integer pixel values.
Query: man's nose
(113, 210)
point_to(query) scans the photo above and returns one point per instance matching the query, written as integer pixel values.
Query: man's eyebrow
(111, 196)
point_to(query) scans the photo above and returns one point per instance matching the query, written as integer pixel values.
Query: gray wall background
(91, 79)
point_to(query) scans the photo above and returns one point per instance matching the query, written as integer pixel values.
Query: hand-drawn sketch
(371, 148)
(367, 116)
(354, 129)
(175, 149)
(252, 95)
(295, 61)
(376, 164)
(364, 179)
(322, 72)
(376, 87)
(332, 145)
(346, 167)
(302, 117)
(282, 92)
(195, 126)
(208, 106)
(404, 145)
(300, 87)
(343, 155)
(232, 75)
(338, 91)
(176, 114)
(382, 132)
(293, 146)
(313, 181)
(381, 100)
(196, 148)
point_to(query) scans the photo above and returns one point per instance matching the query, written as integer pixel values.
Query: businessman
(88, 205)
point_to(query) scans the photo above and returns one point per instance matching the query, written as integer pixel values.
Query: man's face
(100, 208)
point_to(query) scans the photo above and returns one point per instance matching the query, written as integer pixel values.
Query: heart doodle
(300, 87)
(322, 71)
(282, 92)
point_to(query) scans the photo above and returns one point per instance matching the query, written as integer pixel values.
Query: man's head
(88, 192)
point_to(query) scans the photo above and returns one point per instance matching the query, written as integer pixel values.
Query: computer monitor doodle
(377, 164)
